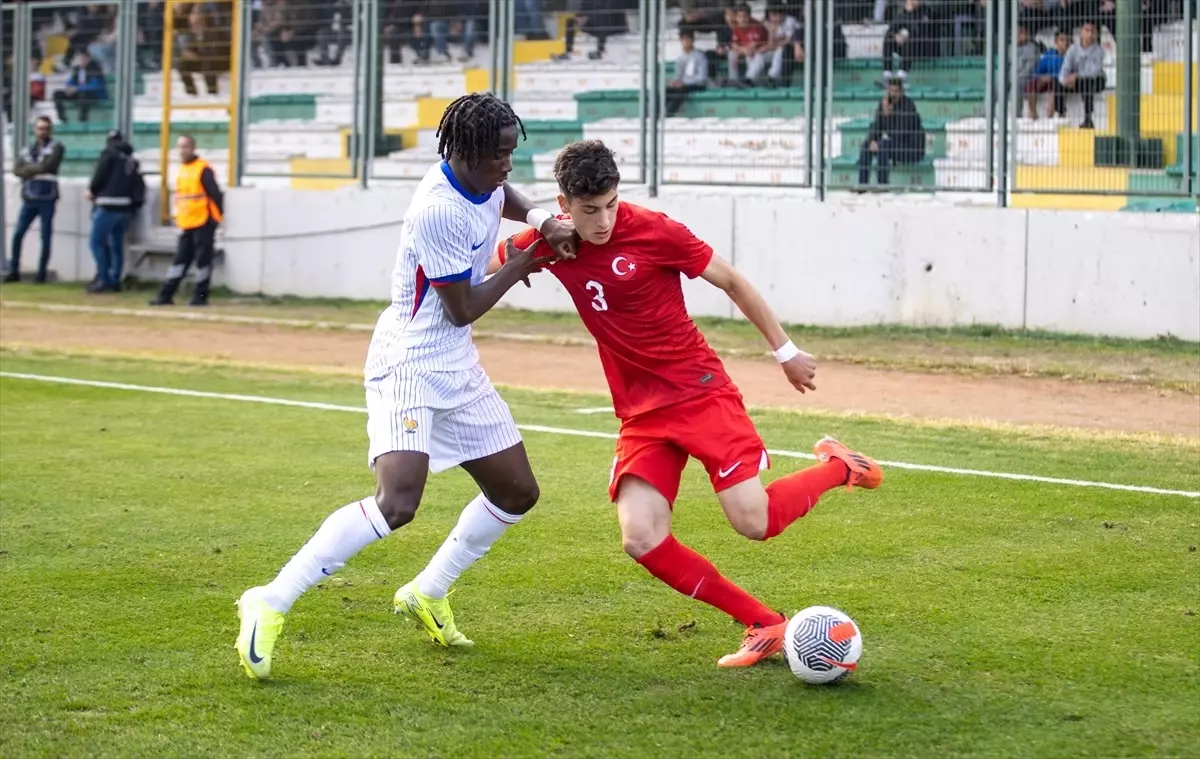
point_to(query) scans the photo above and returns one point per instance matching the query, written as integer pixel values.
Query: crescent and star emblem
(622, 266)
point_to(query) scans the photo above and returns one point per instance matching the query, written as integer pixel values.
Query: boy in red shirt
(671, 391)
(750, 43)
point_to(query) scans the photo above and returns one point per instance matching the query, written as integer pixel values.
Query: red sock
(693, 575)
(791, 497)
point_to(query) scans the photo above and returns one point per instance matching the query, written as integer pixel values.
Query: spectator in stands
(786, 44)
(104, 48)
(527, 21)
(404, 24)
(89, 23)
(910, 37)
(85, 86)
(150, 35)
(718, 57)
(896, 136)
(750, 44)
(457, 19)
(703, 16)
(203, 43)
(599, 18)
(336, 21)
(691, 74)
(1045, 79)
(1083, 71)
(199, 209)
(37, 85)
(117, 191)
(37, 168)
(278, 23)
(1029, 52)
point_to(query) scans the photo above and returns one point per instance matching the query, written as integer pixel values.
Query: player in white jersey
(430, 406)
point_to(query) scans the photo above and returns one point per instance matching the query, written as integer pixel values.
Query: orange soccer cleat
(760, 642)
(864, 472)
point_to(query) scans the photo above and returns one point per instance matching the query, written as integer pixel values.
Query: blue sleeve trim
(451, 278)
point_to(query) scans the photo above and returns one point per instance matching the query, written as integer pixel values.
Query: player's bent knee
(639, 539)
(518, 498)
(749, 524)
(399, 507)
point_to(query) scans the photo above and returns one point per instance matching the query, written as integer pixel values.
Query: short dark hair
(470, 128)
(586, 169)
(44, 119)
(687, 34)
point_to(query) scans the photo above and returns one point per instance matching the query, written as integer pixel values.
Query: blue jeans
(108, 243)
(887, 155)
(440, 31)
(30, 210)
(527, 18)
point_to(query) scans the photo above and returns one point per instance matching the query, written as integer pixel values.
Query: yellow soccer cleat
(260, 629)
(432, 613)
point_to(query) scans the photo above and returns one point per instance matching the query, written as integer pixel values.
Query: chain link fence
(1028, 102)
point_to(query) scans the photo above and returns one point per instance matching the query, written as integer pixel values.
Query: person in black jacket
(911, 36)
(118, 191)
(896, 135)
(37, 167)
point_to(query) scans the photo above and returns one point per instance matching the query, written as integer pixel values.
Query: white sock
(480, 525)
(344, 533)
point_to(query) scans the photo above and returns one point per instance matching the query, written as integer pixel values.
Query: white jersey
(449, 235)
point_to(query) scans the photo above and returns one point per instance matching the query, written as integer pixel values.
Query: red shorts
(714, 429)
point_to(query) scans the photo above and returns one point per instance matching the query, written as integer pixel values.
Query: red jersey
(630, 297)
(753, 33)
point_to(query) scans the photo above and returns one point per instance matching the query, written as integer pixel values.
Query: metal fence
(1010, 98)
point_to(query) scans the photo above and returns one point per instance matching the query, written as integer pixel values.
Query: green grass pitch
(1000, 619)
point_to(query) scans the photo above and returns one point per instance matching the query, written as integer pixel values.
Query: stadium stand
(300, 120)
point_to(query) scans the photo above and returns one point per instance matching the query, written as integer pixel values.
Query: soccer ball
(822, 645)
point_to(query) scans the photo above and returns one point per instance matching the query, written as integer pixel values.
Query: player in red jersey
(672, 394)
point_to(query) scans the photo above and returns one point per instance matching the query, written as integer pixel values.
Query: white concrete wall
(875, 261)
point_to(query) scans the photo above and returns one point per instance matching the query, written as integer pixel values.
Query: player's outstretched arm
(559, 233)
(799, 366)
(464, 303)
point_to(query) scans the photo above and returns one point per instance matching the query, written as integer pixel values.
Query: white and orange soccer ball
(822, 645)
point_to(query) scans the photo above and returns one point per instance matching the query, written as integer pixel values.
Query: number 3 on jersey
(598, 301)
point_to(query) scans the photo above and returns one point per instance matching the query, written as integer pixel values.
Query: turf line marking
(589, 433)
(574, 341)
(191, 316)
(596, 410)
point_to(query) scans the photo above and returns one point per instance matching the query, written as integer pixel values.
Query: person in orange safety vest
(199, 209)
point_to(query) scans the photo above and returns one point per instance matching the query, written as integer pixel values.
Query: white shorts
(450, 416)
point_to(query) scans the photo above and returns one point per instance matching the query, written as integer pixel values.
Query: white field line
(209, 317)
(593, 434)
(596, 410)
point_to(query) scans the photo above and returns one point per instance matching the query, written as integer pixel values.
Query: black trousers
(195, 245)
(62, 97)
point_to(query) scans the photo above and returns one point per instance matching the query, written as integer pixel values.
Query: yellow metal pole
(164, 127)
(235, 94)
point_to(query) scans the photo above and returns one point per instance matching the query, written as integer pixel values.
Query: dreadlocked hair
(470, 128)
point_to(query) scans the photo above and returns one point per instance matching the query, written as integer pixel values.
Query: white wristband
(537, 217)
(786, 352)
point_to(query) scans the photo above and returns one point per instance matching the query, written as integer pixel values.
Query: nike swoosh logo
(326, 572)
(836, 663)
(435, 620)
(254, 658)
(726, 472)
(477, 247)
